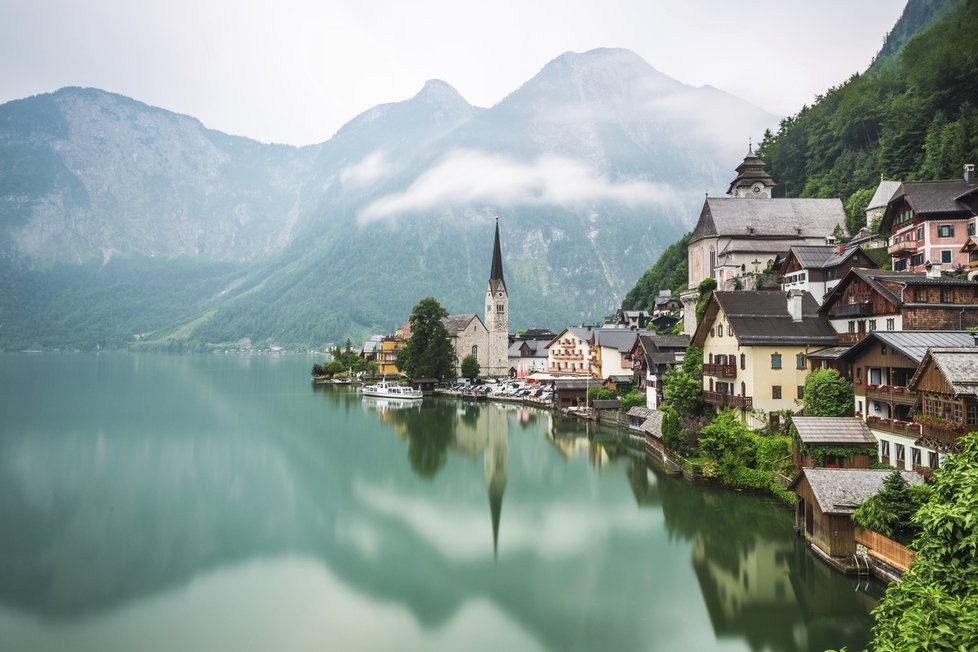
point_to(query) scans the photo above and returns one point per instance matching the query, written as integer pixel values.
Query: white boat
(384, 389)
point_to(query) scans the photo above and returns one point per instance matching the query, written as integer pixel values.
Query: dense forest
(913, 115)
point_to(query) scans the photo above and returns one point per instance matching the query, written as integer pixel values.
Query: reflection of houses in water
(747, 589)
(486, 431)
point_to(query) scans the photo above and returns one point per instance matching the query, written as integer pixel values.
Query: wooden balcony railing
(850, 338)
(720, 399)
(904, 428)
(890, 394)
(946, 434)
(898, 247)
(854, 310)
(720, 370)
(567, 356)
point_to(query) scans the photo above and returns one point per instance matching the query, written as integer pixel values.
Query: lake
(215, 502)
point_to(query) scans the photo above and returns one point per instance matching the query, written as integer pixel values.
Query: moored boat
(384, 389)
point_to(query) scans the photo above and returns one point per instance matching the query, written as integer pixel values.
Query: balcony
(720, 370)
(890, 394)
(567, 356)
(943, 434)
(720, 399)
(894, 427)
(854, 310)
(909, 246)
(850, 338)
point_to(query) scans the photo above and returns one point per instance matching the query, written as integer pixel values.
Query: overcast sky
(294, 71)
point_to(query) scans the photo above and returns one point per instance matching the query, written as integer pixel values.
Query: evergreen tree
(890, 510)
(429, 353)
(470, 367)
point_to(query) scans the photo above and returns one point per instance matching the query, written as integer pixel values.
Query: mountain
(124, 224)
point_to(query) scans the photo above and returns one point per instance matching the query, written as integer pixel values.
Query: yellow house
(755, 350)
(387, 355)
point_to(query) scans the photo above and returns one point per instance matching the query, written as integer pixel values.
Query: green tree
(856, 207)
(683, 385)
(828, 395)
(935, 607)
(470, 367)
(890, 510)
(673, 434)
(705, 289)
(428, 353)
(634, 398)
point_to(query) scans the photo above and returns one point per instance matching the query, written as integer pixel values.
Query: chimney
(840, 248)
(794, 304)
(931, 270)
(969, 173)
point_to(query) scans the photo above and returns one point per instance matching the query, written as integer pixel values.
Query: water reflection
(139, 490)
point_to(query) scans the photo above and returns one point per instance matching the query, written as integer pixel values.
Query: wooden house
(882, 365)
(819, 268)
(868, 300)
(571, 391)
(825, 500)
(947, 382)
(832, 443)
(652, 356)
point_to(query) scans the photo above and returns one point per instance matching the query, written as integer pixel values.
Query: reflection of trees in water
(429, 432)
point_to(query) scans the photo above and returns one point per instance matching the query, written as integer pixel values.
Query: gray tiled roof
(456, 323)
(761, 318)
(622, 339)
(829, 353)
(786, 218)
(833, 430)
(959, 367)
(884, 193)
(822, 256)
(639, 412)
(759, 245)
(935, 196)
(914, 344)
(574, 383)
(663, 349)
(876, 279)
(538, 348)
(841, 491)
(653, 423)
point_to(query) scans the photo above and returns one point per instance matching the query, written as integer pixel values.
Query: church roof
(496, 272)
(769, 218)
(456, 323)
(884, 193)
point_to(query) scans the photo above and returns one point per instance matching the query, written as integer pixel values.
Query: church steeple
(752, 179)
(496, 273)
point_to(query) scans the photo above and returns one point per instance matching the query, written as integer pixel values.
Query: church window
(475, 350)
(500, 307)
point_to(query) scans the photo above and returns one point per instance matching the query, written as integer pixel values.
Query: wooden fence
(885, 549)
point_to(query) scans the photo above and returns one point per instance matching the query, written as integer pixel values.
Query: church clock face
(757, 188)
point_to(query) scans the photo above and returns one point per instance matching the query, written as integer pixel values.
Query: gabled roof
(456, 323)
(621, 339)
(822, 256)
(769, 218)
(762, 319)
(959, 366)
(828, 431)
(544, 334)
(878, 280)
(934, 196)
(884, 193)
(580, 332)
(913, 344)
(841, 491)
(538, 348)
(662, 349)
(759, 246)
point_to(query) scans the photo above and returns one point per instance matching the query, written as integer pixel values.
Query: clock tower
(752, 179)
(497, 314)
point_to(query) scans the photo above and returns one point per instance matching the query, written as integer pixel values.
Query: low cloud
(465, 177)
(368, 170)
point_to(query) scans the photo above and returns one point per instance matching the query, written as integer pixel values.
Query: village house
(635, 318)
(665, 303)
(652, 356)
(947, 381)
(867, 300)
(527, 357)
(755, 347)
(832, 443)
(930, 222)
(746, 232)
(570, 351)
(882, 365)
(612, 351)
(825, 502)
(386, 354)
(819, 268)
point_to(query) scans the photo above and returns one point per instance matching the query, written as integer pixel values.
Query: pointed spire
(496, 273)
(750, 146)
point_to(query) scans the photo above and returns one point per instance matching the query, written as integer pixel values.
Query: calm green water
(220, 503)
